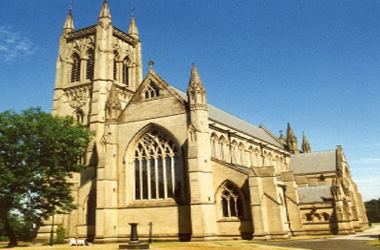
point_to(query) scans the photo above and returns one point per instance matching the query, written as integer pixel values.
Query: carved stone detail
(78, 95)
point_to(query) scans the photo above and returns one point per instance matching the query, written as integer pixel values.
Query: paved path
(369, 234)
(348, 242)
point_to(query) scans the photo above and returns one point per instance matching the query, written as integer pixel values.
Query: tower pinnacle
(196, 91)
(69, 23)
(133, 31)
(105, 12)
(305, 144)
(291, 140)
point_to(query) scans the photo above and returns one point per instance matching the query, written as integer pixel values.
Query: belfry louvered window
(90, 65)
(75, 68)
(125, 76)
(157, 167)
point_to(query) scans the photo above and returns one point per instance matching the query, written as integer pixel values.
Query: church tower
(98, 70)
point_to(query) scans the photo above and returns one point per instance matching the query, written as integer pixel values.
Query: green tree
(38, 154)
(373, 210)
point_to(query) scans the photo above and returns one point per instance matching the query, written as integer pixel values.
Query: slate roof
(323, 161)
(314, 194)
(233, 122)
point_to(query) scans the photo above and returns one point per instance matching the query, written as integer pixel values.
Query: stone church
(178, 166)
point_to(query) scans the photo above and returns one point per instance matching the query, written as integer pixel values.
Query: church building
(178, 166)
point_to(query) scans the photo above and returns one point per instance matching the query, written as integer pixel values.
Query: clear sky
(315, 64)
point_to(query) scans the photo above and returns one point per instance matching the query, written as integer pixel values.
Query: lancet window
(157, 167)
(75, 68)
(231, 201)
(79, 116)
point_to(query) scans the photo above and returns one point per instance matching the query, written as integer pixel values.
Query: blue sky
(315, 64)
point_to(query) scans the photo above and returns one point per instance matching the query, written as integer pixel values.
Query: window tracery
(231, 201)
(157, 167)
(152, 91)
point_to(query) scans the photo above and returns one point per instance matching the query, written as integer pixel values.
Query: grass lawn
(214, 245)
(374, 243)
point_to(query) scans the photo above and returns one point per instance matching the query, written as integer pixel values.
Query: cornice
(82, 32)
(125, 37)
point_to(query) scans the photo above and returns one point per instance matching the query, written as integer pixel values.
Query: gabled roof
(314, 194)
(233, 122)
(323, 161)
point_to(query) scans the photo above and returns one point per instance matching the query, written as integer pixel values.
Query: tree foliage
(38, 155)
(373, 210)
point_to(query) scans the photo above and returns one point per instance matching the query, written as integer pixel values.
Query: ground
(361, 241)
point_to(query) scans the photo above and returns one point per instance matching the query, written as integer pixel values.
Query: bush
(61, 232)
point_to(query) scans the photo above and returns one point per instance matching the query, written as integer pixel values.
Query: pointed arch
(234, 149)
(241, 154)
(214, 145)
(157, 164)
(79, 116)
(223, 153)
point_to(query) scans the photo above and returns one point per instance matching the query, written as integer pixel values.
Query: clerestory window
(157, 167)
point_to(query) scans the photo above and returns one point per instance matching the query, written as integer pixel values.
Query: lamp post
(52, 231)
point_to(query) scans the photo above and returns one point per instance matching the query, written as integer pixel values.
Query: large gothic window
(231, 201)
(75, 68)
(157, 167)
(90, 64)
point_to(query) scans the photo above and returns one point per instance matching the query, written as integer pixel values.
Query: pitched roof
(323, 161)
(314, 194)
(233, 122)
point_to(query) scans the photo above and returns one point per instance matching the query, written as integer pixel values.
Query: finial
(150, 63)
(133, 11)
(71, 5)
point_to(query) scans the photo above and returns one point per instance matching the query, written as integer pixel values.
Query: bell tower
(98, 70)
(90, 61)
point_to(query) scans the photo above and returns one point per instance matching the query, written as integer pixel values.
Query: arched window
(233, 152)
(214, 145)
(125, 77)
(157, 167)
(75, 68)
(79, 116)
(222, 148)
(90, 65)
(241, 154)
(152, 91)
(231, 201)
